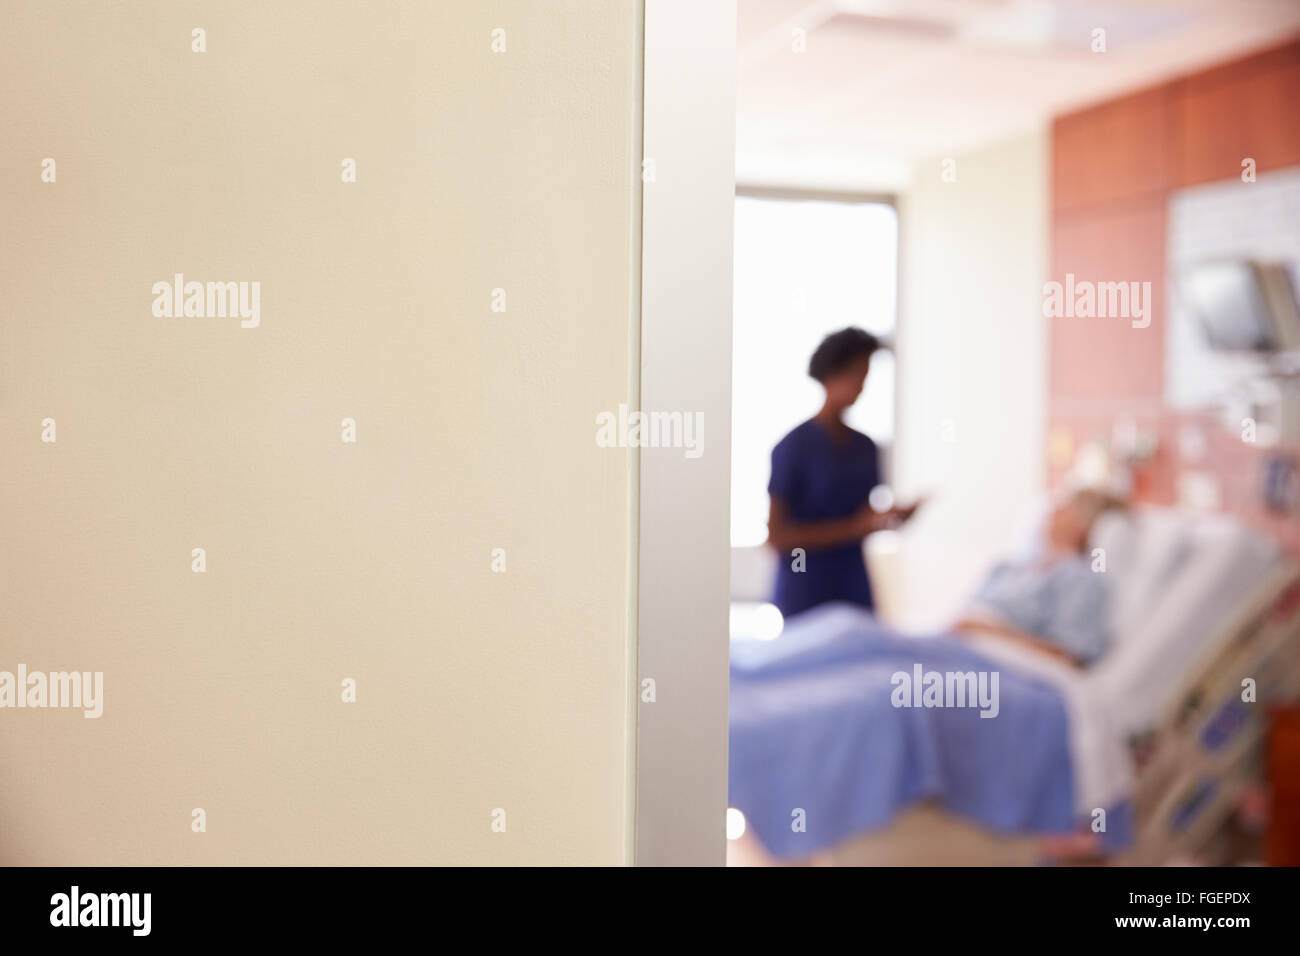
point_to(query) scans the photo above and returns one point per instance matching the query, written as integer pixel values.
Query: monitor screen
(1228, 301)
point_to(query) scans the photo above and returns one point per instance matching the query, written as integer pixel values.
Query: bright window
(803, 268)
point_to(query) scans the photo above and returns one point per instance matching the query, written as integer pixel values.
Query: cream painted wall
(972, 371)
(325, 560)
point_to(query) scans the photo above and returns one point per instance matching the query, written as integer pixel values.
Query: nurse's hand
(874, 521)
(905, 514)
(867, 521)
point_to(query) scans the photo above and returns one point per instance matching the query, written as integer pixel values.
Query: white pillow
(1144, 551)
(1115, 533)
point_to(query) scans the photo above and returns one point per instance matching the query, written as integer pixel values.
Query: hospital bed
(1199, 605)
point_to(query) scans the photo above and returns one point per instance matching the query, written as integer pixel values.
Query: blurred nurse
(822, 474)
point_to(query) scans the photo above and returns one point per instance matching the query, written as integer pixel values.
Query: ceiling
(882, 84)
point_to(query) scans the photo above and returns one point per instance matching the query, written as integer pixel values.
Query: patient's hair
(1091, 503)
(839, 350)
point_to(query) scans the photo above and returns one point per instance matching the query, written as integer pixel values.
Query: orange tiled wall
(1114, 167)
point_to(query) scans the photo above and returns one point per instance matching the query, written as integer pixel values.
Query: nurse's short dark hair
(839, 350)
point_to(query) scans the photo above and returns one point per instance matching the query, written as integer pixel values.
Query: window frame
(815, 194)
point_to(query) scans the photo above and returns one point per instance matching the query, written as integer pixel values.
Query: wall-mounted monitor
(1243, 305)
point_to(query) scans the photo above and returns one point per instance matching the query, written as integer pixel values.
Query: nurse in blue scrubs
(822, 473)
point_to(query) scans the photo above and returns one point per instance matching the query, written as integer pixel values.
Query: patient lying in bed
(815, 723)
(1054, 602)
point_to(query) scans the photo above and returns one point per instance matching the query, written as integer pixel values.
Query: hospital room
(1015, 554)
(655, 433)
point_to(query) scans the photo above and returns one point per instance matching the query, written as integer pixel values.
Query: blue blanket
(815, 727)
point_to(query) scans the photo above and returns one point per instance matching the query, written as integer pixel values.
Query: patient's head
(1073, 516)
(841, 363)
